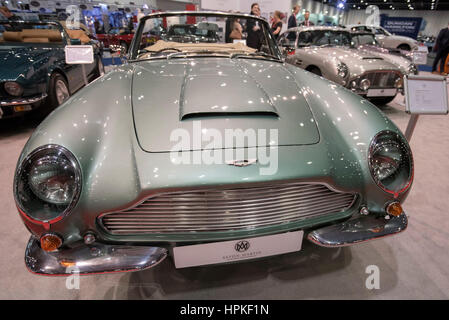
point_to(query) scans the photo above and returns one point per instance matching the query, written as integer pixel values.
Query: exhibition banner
(402, 26)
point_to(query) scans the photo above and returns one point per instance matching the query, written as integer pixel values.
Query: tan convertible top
(225, 47)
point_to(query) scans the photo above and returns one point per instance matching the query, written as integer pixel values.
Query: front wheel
(58, 93)
(381, 101)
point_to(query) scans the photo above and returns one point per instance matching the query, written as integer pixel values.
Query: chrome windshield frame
(133, 50)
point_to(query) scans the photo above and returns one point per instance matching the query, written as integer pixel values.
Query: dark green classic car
(33, 71)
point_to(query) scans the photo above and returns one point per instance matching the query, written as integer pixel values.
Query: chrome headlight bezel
(25, 197)
(8, 90)
(364, 84)
(342, 70)
(401, 178)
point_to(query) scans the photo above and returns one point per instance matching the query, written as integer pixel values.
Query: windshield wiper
(255, 54)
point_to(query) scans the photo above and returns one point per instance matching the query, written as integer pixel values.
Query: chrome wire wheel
(61, 90)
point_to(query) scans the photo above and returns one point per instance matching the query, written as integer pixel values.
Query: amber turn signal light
(394, 209)
(67, 264)
(50, 242)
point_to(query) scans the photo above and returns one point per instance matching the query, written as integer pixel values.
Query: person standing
(307, 22)
(292, 23)
(276, 27)
(254, 39)
(442, 49)
(237, 31)
(9, 15)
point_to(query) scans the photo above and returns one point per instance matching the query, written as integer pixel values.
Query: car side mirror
(75, 42)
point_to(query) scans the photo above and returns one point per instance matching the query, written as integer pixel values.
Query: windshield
(364, 39)
(324, 38)
(177, 35)
(20, 33)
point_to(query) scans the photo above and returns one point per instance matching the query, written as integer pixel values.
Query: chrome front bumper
(358, 230)
(102, 258)
(23, 101)
(91, 259)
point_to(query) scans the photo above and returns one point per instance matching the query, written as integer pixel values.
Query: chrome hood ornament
(241, 163)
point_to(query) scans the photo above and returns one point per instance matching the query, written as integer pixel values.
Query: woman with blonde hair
(276, 27)
(237, 30)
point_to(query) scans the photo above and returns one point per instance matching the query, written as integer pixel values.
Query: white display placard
(79, 54)
(236, 250)
(426, 95)
(420, 56)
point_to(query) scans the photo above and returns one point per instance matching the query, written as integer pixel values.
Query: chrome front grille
(234, 208)
(382, 79)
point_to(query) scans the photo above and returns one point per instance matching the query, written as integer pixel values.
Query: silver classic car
(367, 42)
(207, 153)
(387, 39)
(327, 52)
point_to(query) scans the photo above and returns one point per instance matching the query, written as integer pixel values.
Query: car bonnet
(192, 96)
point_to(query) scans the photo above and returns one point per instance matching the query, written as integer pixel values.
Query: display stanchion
(411, 126)
(83, 67)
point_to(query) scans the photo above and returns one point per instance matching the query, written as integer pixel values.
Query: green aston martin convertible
(207, 153)
(34, 74)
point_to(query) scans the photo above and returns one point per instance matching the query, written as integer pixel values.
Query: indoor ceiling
(392, 4)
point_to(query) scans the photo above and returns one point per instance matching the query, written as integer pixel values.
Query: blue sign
(402, 26)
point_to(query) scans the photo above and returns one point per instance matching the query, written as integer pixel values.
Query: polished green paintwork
(32, 64)
(98, 126)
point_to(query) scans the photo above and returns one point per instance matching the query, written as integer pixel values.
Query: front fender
(339, 113)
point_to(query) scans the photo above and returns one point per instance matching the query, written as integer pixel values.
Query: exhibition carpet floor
(413, 265)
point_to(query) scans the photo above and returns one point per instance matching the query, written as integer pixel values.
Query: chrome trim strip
(228, 208)
(358, 230)
(23, 101)
(91, 259)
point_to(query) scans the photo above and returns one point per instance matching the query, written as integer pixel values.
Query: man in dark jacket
(442, 49)
(292, 23)
(307, 22)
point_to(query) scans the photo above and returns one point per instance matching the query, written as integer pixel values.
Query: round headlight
(13, 88)
(47, 183)
(391, 162)
(342, 70)
(365, 84)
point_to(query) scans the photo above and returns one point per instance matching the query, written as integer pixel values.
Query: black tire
(381, 101)
(53, 101)
(404, 46)
(316, 71)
